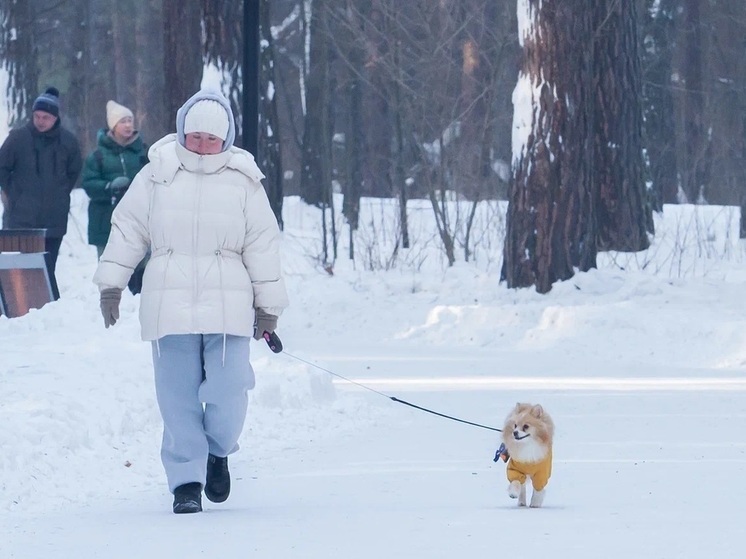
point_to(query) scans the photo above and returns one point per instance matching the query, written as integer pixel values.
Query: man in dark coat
(39, 165)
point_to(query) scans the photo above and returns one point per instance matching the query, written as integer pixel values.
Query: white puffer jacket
(214, 243)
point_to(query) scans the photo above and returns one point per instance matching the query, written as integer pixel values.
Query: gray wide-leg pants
(191, 430)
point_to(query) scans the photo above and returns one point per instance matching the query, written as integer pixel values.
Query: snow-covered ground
(641, 368)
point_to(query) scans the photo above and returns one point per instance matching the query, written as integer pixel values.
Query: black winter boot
(218, 485)
(188, 498)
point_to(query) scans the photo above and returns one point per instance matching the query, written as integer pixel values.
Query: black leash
(276, 346)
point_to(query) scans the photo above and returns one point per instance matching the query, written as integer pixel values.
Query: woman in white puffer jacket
(213, 281)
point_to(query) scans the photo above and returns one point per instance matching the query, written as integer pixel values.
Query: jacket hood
(206, 95)
(166, 158)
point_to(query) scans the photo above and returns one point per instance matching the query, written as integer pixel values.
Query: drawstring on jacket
(219, 256)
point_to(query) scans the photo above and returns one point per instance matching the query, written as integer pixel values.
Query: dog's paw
(537, 499)
(514, 490)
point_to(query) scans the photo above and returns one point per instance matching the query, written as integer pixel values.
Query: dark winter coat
(109, 161)
(38, 170)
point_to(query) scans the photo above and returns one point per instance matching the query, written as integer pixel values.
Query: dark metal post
(250, 73)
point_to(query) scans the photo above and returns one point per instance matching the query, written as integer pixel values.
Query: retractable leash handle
(273, 341)
(501, 454)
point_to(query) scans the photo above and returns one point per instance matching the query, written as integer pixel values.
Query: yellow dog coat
(539, 472)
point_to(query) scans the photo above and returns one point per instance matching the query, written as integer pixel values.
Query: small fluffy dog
(527, 436)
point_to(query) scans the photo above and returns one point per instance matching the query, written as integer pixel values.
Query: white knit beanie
(207, 116)
(116, 112)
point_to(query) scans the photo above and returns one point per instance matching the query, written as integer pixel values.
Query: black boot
(218, 485)
(188, 498)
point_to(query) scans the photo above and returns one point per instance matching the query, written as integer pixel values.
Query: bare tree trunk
(355, 15)
(659, 125)
(438, 195)
(99, 69)
(550, 221)
(622, 212)
(376, 115)
(509, 56)
(472, 164)
(692, 134)
(270, 145)
(75, 98)
(726, 102)
(315, 167)
(182, 56)
(150, 96)
(224, 48)
(124, 25)
(479, 67)
(399, 149)
(19, 56)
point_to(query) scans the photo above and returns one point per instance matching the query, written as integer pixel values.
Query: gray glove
(118, 184)
(110, 305)
(265, 322)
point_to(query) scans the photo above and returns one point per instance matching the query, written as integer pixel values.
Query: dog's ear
(537, 411)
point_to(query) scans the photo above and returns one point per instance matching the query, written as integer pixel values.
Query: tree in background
(551, 223)
(182, 53)
(692, 134)
(420, 139)
(316, 162)
(224, 51)
(270, 143)
(148, 99)
(412, 101)
(726, 103)
(98, 83)
(578, 167)
(350, 51)
(19, 56)
(659, 41)
(710, 97)
(622, 211)
(315, 187)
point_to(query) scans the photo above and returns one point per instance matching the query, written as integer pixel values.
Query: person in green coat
(107, 174)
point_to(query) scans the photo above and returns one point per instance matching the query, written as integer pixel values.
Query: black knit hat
(49, 102)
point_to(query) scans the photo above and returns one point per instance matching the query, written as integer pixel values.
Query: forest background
(417, 100)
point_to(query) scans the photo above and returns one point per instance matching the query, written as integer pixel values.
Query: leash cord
(392, 398)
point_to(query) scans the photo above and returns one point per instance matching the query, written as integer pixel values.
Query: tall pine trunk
(182, 55)
(658, 108)
(623, 211)
(270, 145)
(315, 165)
(551, 221)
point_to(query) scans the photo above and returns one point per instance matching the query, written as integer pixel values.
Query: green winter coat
(108, 161)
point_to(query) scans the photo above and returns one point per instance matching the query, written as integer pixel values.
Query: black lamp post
(250, 73)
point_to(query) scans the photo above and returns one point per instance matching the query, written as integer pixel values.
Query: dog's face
(528, 432)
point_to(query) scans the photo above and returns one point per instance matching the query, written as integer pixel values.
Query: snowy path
(633, 477)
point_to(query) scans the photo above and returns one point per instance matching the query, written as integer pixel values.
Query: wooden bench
(25, 281)
(22, 240)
